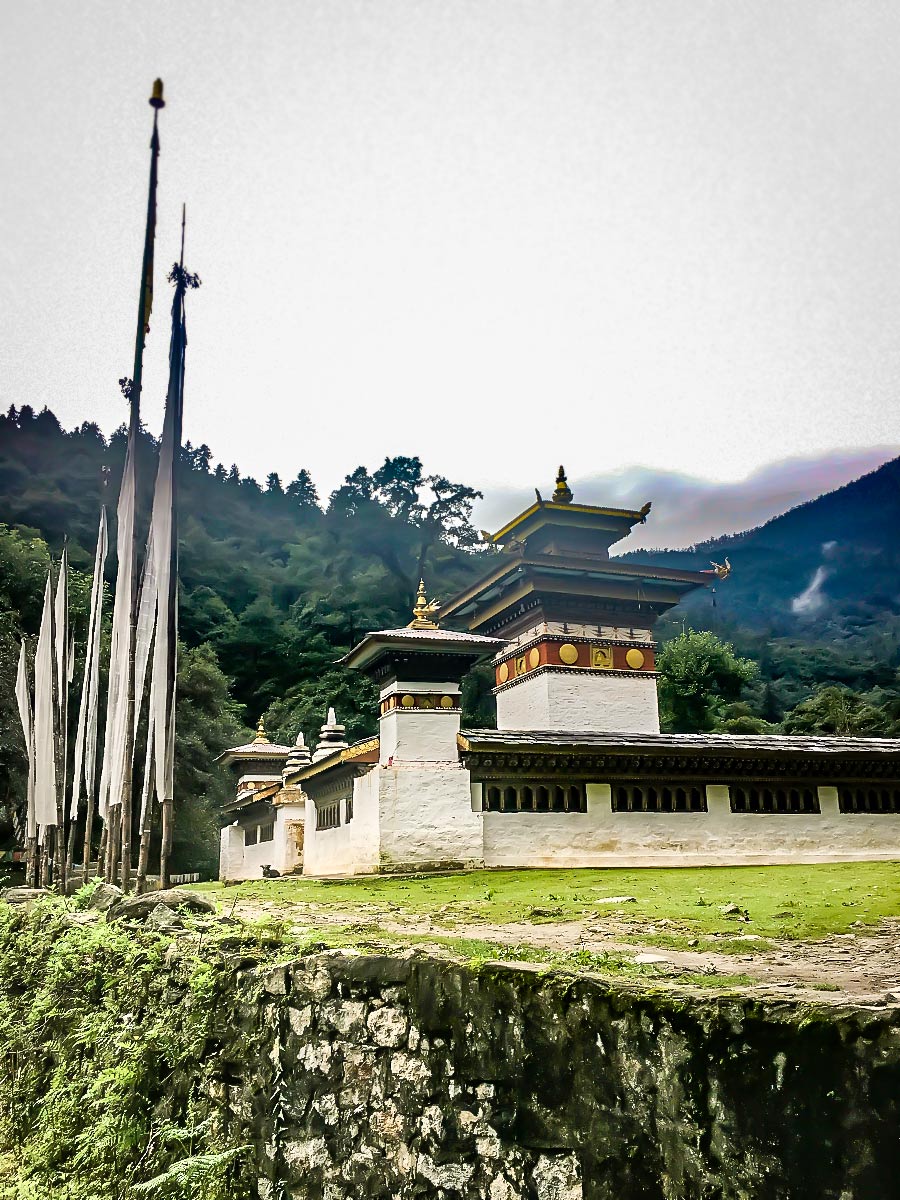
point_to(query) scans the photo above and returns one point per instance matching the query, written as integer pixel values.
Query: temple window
(768, 798)
(250, 836)
(658, 798)
(328, 816)
(267, 832)
(348, 809)
(870, 798)
(538, 798)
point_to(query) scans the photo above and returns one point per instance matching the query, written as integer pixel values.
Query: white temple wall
(352, 847)
(426, 817)
(719, 837)
(419, 735)
(231, 852)
(581, 701)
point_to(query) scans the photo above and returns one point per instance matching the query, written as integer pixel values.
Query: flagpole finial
(156, 98)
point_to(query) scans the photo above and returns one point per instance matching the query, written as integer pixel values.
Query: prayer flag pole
(116, 782)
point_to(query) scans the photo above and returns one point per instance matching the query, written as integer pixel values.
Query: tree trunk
(88, 830)
(102, 850)
(31, 862)
(70, 854)
(166, 844)
(147, 821)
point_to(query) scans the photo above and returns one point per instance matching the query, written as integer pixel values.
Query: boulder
(163, 918)
(24, 895)
(104, 896)
(138, 908)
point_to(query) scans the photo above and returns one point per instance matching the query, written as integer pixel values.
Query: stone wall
(406, 1077)
(168, 1054)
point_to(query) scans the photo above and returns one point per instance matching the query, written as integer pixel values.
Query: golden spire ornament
(423, 610)
(261, 735)
(562, 493)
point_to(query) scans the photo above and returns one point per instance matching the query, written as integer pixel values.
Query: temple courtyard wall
(603, 838)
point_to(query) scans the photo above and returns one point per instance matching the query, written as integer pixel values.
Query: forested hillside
(278, 583)
(814, 597)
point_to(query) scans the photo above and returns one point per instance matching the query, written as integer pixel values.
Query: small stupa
(332, 737)
(299, 756)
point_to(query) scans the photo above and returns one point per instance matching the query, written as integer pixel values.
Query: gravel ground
(862, 967)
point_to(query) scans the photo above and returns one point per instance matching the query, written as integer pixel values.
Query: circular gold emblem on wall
(408, 701)
(446, 701)
(568, 654)
(534, 658)
(635, 658)
(503, 672)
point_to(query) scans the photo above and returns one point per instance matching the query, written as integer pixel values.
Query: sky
(651, 239)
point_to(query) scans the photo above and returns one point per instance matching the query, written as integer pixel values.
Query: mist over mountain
(688, 509)
(829, 567)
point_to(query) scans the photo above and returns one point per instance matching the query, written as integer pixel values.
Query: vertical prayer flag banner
(23, 700)
(44, 722)
(86, 734)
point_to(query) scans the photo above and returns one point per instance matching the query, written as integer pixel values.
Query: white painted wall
(602, 838)
(426, 816)
(231, 852)
(589, 701)
(351, 848)
(418, 735)
(284, 852)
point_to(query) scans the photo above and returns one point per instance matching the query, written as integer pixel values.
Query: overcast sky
(499, 234)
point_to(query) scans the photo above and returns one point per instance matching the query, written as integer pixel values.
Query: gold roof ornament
(262, 738)
(562, 493)
(423, 610)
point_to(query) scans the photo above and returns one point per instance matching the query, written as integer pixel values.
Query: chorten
(332, 737)
(577, 625)
(418, 670)
(299, 756)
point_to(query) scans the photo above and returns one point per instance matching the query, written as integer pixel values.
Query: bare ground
(861, 968)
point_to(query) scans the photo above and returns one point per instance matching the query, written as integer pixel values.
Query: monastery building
(577, 772)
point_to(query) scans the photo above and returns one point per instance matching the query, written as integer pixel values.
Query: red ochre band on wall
(419, 701)
(588, 656)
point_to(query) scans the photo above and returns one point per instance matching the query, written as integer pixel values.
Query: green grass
(795, 902)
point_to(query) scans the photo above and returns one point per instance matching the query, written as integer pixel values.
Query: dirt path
(861, 968)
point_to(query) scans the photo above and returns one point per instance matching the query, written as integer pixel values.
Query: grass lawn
(797, 902)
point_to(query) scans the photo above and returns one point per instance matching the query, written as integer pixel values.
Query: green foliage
(279, 589)
(103, 1051)
(837, 710)
(697, 674)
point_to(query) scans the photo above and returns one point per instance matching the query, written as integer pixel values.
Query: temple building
(577, 772)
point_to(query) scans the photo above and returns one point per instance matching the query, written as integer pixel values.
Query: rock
(557, 1177)
(138, 908)
(24, 895)
(104, 896)
(555, 911)
(734, 910)
(617, 900)
(388, 1026)
(163, 918)
(648, 959)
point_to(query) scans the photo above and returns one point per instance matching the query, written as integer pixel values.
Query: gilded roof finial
(156, 97)
(261, 735)
(423, 610)
(562, 494)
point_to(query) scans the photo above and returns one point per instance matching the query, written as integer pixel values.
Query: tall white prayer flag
(23, 699)
(63, 662)
(160, 573)
(44, 723)
(86, 735)
(117, 707)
